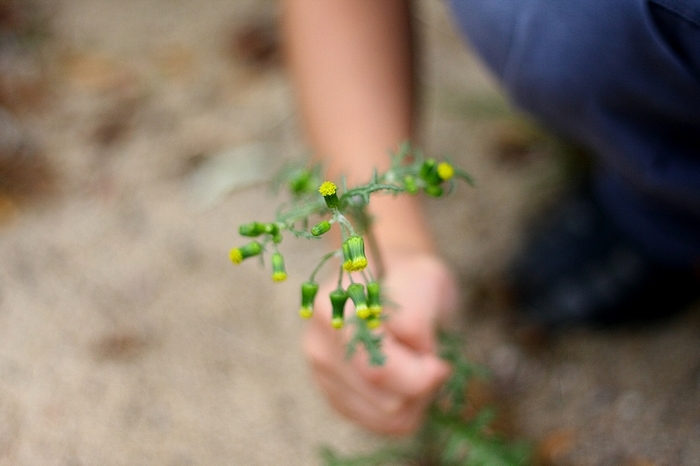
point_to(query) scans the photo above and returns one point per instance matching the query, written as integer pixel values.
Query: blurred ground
(126, 336)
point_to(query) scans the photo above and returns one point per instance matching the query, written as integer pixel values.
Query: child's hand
(390, 399)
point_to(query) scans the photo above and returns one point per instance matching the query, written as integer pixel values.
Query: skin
(351, 63)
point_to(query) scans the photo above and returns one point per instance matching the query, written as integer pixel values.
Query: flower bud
(428, 173)
(271, 229)
(354, 254)
(329, 192)
(374, 299)
(409, 184)
(373, 322)
(279, 273)
(434, 191)
(237, 255)
(251, 229)
(321, 228)
(338, 299)
(356, 291)
(300, 182)
(308, 295)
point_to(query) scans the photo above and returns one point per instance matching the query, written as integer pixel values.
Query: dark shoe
(579, 269)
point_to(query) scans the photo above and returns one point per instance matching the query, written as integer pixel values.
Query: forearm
(352, 65)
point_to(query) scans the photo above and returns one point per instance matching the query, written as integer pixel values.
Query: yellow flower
(236, 256)
(374, 299)
(308, 294)
(354, 254)
(251, 249)
(338, 299)
(358, 264)
(373, 322)
(356, 291)
(329, 192)
(279, 274)
(445, 171)
(328, 188)
(337, 322)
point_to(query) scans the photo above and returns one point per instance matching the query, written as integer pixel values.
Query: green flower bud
(251, 229)
(321, 228)
(434, 191)
(237, 255)
(410, 184)
(308, 295)
(279, 274)
(374, 300)
(338, 299)
(300, 183)
(356, 291)
(373, 322)
(346, 255)
(429, 172)
(271, 229)
(354, 254)
(329, 192)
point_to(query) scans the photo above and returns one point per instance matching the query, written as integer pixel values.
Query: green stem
(301, 213)
(344, 223)
(323, 260)
(340, 278)
(375, 252)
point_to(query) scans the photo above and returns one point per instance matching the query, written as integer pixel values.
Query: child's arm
(352, 66)
(351, 62)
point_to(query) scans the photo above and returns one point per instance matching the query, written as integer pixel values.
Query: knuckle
(375, 377)
(393, 408)
(404, 424)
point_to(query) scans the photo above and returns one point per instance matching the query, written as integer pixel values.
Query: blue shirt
(623, 78)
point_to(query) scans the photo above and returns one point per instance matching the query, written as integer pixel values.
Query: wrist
(399, 224)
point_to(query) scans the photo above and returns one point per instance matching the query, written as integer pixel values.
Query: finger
(367, 402)
(406, 372)
(341, 382)
(354, 387)
(403, 417)
(326, 351)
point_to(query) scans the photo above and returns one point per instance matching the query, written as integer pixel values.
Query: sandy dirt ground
(128, 338)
